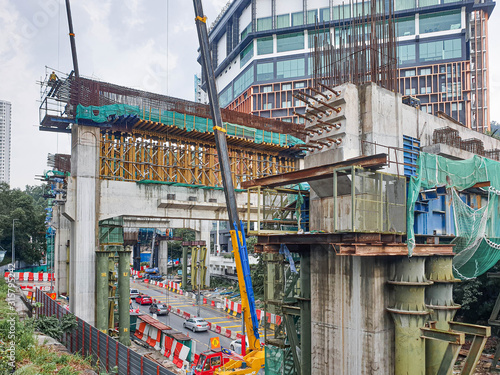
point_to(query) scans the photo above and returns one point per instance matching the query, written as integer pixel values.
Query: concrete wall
(352, 334)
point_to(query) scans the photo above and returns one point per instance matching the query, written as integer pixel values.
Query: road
(184, 303)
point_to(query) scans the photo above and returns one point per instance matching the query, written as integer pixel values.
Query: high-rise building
(5, 109)
(200, 96)
(262, 52)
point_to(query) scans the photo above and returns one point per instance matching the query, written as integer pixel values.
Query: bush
(55, 328)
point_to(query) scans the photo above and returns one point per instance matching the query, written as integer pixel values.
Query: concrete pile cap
(194, 243)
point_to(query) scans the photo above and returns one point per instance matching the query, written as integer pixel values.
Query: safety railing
(279, 210)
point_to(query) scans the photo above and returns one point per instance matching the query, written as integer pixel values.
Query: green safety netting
(183, 121)
(274, 360)
(477, 239)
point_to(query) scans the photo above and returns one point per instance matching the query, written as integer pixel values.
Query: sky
(149, 45)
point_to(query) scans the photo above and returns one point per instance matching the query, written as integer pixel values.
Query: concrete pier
(84, 187)
(351, 330)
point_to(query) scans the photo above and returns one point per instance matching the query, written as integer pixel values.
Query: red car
(143, 300)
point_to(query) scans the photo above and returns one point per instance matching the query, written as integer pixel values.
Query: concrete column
(137, 257)
(184, 266)
(205, 228)
(163, 257)
(439, 300)
(124, 296)
(410, 314)
(61, 243)
(102, 281)
(305, 313)
(351, 332)
(85, 180)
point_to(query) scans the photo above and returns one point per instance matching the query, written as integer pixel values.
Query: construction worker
(52, 79)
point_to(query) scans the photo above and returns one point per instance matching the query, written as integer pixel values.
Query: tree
(29, 225)
(175, 247)
(477, 297)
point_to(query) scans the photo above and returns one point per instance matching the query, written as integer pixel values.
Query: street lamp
(13, 243)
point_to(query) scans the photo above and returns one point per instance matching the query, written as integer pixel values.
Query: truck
(254, 361)
(210, 361)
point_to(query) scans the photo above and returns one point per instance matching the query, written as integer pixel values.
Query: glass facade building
(5, 129)
(262, 48)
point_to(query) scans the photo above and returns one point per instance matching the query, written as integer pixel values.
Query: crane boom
(236, 227)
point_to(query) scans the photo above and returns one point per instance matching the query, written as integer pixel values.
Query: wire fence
(89, 341)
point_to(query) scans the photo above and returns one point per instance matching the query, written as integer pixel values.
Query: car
(134, 293)
(235, 345)
(158, 309)
(143, 299)
(196, 324)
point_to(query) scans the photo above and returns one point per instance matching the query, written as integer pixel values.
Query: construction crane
(254, 361)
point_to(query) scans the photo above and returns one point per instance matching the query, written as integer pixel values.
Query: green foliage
(251, 241)
(477, 297)
(257, 271)
(30, 224)
(221, 282)
(175, 247)
(55, 328)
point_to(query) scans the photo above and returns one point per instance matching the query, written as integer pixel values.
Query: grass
(32, 358)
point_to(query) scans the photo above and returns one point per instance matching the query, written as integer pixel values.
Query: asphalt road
(187, 304)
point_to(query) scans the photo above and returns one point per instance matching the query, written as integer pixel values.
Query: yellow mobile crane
(254, 361)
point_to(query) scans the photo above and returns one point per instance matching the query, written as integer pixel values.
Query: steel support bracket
(481, 334)
(455, 341)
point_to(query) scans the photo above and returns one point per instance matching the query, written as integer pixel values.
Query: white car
(235, 345)
(134, 293)
(196, 324)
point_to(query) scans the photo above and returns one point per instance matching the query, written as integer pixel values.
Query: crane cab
(209, 361)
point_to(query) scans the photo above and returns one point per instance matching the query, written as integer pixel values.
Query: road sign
(214, 343)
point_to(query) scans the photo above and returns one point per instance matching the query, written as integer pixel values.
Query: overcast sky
(120, 41)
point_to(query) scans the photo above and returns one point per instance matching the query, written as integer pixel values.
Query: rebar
(362, 50)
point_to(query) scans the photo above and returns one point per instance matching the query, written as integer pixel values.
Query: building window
(447, 49)
(405, 26)
(265, 45)
(243, 82)
(265, 71)
(290, 68)
(282, 21)
(361, 8)
(322, 37)
(246, 31)
(299, 85)
(406, 53)
(226, 97)
(312, 16)
(264, 24)
(430, 23)
(290, 42)
(286, 86)
(324, 15)
(267, 89)
(410, 73)
(297, 19)
(425, 71)
(427, 3)
(341, 11)
(246, 54)
(404, 4)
